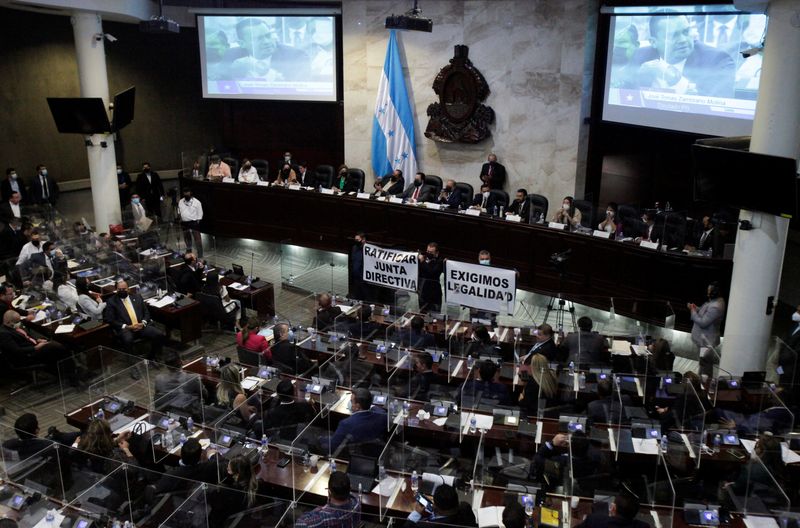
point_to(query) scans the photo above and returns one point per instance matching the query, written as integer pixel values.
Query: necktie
(703, 238)
(416, 194)
(131, 312)
(490, 169)
(796, 328)
(483, 203)
(44, 187)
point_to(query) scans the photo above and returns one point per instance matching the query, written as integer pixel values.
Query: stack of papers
(160, 303)
(620, 347)
(491, 516)
(237, 286)
(250, 382)
(645, 446)
(386, 486)
(65, 329)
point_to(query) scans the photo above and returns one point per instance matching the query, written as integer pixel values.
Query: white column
(91, 55)
(758, 259)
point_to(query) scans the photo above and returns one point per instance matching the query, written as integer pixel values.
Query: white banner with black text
(390, 267)
(480, 287)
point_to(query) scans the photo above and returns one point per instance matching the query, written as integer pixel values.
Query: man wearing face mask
(431, 266)
(150, 189)
(520, 205)
(395, 184)
(218, 169)
(493, 173)
(124, 184)
(650, 233)
(287, 158)
(191, 213)
(358, 288)
(248, 173)
(31, 248)
(11, 208)
(44, 190)
(484, 200)
(129, 318)
(418, 191)
(138, 214)
(450, 195)
(707, 320)
(190, 276)
(285, 353)
(13, 183)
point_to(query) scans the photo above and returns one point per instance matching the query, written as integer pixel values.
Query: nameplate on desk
(514, 218)
(431, 205)
(363, 196)
(326, 191)
(557, 225)
(228, 180)
(394, 199)
(473, 212)
(294, 186)
(601, 234)
(649, 245)
(263, 183)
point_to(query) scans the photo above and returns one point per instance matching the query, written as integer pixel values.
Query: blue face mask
(135, 201)
(290, 335)
(485, 262)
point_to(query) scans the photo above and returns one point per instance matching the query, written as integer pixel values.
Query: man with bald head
(326, 312)
(20, 349)
(450, 195)
(129, 318)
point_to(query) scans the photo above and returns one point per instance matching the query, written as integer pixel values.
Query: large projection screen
(278, 57)
(682, 69)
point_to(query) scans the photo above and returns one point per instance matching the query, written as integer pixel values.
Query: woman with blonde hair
(542, 383)
(237, 492)
(230, 393)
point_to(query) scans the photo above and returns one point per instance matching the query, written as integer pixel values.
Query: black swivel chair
(234, 165)
(587, 212)
(500, 198)
(467, 193)
(325, 176)
(435, 182)
(248, 357)
(538, 208)
(358, 174)
(632, 225)
(262, 168)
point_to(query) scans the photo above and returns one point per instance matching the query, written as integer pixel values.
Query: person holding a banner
(358, 289)
(431, 266)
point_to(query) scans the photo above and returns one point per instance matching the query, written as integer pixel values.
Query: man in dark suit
(487, 387)
(13, 183)
(709, 239)
(493, 173)
(417, 337)
(418, 191)
(431, 266)
(129, 318)
(20, 349)
(520, 206)
(366, 423)
(447, 511)
(359, 289)
(393, 185)
(11, 241)
(28, 442)
(450, 195)
(484, 200)
(11, 208)
(44, 189)
(282, 419)
(150, 189)
(124, 185)
(191, 468)
(260, 55)
(621, 514)
(606, 408)
(585, 346)
(189, 279)
(306, 177)
(285, 353)
(544, 344)
(326, 312)
(674, 61)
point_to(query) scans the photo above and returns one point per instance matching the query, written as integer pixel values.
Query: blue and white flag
(393, 144)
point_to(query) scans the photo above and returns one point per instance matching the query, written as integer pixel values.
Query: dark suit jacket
(395, 188)
(498, 175)
(453, 200)
(11, 242)
(5, 190)
(607, 410)
(490, 201)
(14, 345)
(711, 70)
(309, 179)
(548, 350)
(6, 213)
(361, 426)
(713, 242)
(416, 340)
(430, 288)
(325, 317)
(150, 191)
(286, 417)
(425, 193)
(115, 314)
(520, 208)
(593, 347)
(176, 478)
(37, 192)
(292, 357)
(188, 280)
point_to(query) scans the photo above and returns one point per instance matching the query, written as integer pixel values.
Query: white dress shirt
(28, 250)
(190, 211)
(138, 212)
(248, 176)
(15, 209)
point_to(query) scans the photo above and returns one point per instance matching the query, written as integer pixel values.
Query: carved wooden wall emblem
(459, 116)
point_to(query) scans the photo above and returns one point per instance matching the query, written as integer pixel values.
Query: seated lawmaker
(283, 417)
(249, 338)
(7, 296)
(379, 191)
(28, 442)
(486, 384)
(416, 336)
(418, 191)
(287, 176)
(326, 313)
(481, 344)
(606, 408)
(129, 318)
(585, 346)
(621, 514)
(189, 279)
(193, 466)
(448, 511)
(366, 423)
(420, 383)
(248, 173)
(306, 177)
(611, 223)
(89, 302)
(568, 214)
(285, 354)
(545, 345)
(218, 169)
(649, 234)
(342, 509)
(344, 182)
(484, 200)
(20, 350)
(396, 183)
(215, 307)
(520, 206)
(450, 195)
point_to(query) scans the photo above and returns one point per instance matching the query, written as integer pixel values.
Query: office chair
(325, 175)
(233, 163)
(435, 182)
(249, 357)
(262, 168)
(500, 197)
(537, 209)
(358, 174)
(467, 194)
(587, 212)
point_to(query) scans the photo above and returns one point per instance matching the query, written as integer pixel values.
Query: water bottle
(664, 443)
(473, 425)
(406, 407)
(50, 518)
(495, 210)
(571, 368)
(333, 465)
(712, 386)
(381, 472)
(116, 524)
(169, 443)
(183, 438)
(501, 211)
(414, 481)
(264, 445)
(101, 414)
(333, 300)
(717, 442)
(190, 424)
(528, 506)
(470, 362)
(306, 462)
(378, 351)
(705, 437)
(582, 381)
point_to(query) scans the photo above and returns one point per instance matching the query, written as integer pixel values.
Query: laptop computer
(362, 470)
(237, 274)
(753, 379)
(701, 515)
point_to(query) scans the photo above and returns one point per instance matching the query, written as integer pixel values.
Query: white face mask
(485, 262)
(119, 171)
(13, 175)
(287, 158)
(565, 205)
(486, 195)
(796, 317)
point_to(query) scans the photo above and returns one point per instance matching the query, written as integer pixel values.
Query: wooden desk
(641, 281)
(262, 299)
(188, 320)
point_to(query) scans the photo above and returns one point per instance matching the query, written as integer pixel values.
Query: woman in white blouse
(248, 173)
(89, 302)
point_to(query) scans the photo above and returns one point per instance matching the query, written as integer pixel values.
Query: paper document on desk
(72, 264)
(749, 445)
(162, 302)
(58, 518)
(620, 347)
(237, 286)
(65, 329)
(482, 421)
(385, 487)
(788, 456)
(251, 382)
(645, 446)
(41, 315)
(147, 426)
(753, 521)
(490, 516)
(439, 422)
(640, 350)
